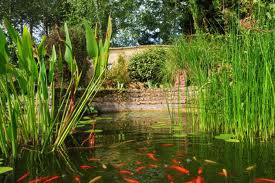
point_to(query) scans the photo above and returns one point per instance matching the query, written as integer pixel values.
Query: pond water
(130, 149)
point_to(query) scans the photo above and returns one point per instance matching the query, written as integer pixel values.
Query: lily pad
(88, 122)
(232, 140)
(5, 169)
(224, 136)
(95, 131)
(180, 135)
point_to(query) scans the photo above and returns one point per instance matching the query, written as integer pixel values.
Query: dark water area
(130, 149)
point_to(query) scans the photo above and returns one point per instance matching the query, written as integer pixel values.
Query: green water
(125, 141)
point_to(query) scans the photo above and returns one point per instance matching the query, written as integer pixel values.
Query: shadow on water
(129, 149)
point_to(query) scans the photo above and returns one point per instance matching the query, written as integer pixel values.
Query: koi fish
(179, 169)
(128, 180)
(138, 162)
(95, 179)
(199, 179)
(118, 166)
(52, 179)
(93, 159)
(176, 162)
(104, 166)
(76, 179)
(140, 168)
(38, 179)
(170, 178)
(258, 180)
(200, 170)
(223, 173)
(210, 161)
(86, 166)
(250, 168)
(152, 156)
(167, 145)
(125, 172)
(23, 177)
(152, 166)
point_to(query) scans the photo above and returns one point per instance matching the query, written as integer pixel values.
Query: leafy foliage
(119, 73)
(145, 66)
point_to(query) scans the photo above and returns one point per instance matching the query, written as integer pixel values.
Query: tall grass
(30, 114)
(235, 77)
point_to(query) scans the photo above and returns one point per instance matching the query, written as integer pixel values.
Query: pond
(129, 149)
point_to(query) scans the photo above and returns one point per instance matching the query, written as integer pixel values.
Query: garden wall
(141, 99)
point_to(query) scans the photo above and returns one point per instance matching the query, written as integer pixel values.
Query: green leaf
(232, 140)
(69, 50)
(95, 131)
(5, 169)
(3, 53)
(11, 31)
(91, 44)
(52, 64)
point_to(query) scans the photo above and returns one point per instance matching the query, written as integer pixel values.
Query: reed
(30, 114)
(234, 74)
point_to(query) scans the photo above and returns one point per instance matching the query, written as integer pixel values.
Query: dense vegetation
(33, 112)
(234, 74)
(135, 21)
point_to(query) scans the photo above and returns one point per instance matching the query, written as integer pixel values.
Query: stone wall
(141, 100)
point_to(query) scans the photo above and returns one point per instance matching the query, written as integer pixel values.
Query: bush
(146, 66)
(119, 73)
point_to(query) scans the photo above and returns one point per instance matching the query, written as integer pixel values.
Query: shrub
(146, 66)
(119, 72)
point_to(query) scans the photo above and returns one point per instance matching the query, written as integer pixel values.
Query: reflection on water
(129, 149)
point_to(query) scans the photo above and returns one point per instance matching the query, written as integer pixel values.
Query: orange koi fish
(52, 179)
(167, 145)
(128, 180)
(258, 180)
(176, 162)
(170, 178)
(138, 162)
(38, 179)
(86, 166)
(140, 168)
(152, 156)
(76, 179)
(179, 169)
(24, 176)
(200, 170)
(152, 166)
(125, 172)
(199, 179)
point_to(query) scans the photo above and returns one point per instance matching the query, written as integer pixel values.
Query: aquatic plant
(234, 74)
(30, 113)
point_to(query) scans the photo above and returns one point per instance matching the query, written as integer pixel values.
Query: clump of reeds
(235, 77)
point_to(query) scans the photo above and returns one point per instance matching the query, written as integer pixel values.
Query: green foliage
(29, 114)
(234, 77)
(119, 72)
(145, 66)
